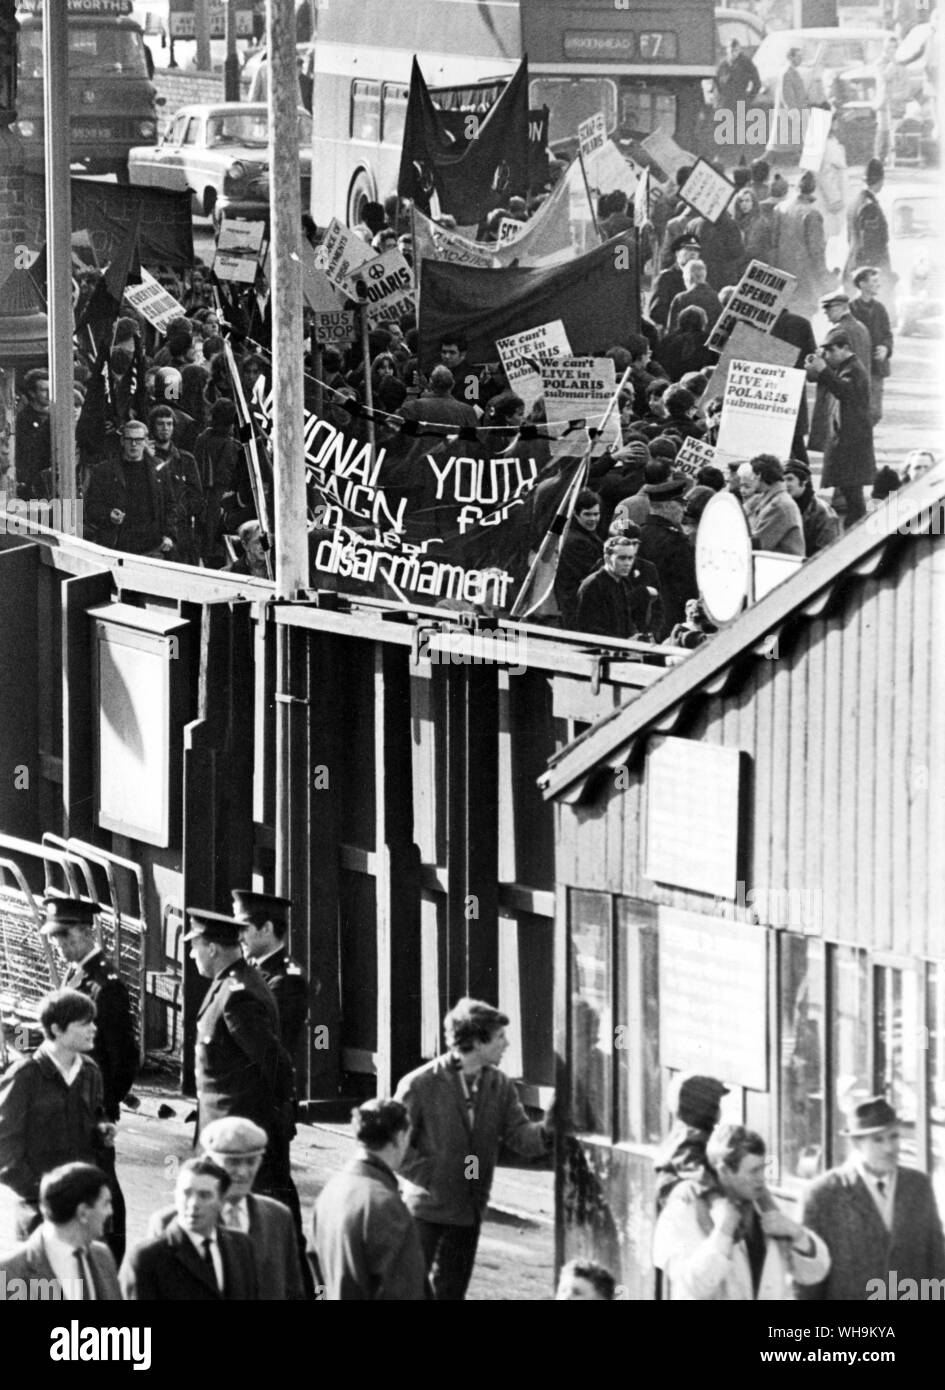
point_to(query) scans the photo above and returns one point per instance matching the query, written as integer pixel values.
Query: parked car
(916, 214)
(220, 154)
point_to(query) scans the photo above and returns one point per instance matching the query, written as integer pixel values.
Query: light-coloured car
(916, 215)
(220, 155)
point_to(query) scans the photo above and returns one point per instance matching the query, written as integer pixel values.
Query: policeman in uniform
(242, 1067)
(70, 924)
(264, 920)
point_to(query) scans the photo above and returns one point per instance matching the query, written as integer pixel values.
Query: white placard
(340, 252)
(708, 191)
(607, 170)
(522, 354)
(641, 200)
(815, 138)
(751, 345)
(668, 155)
(592, 133)
(694, 454)
(759, 410)
(759, 297)
(385, 285)
(575, 387)
(152, 301)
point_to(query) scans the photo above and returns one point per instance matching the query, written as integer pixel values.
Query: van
(112, 100)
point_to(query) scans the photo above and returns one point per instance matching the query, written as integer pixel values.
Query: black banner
(105, 210)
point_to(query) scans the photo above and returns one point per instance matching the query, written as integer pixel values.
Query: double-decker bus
(641, 62)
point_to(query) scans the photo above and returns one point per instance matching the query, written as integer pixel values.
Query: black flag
(104, 306)
(471, 172)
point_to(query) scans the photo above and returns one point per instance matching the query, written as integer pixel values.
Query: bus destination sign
(610, 45)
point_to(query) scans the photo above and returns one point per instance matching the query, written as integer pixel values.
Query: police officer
(242, 1067)
(70, 925)
(264, 920)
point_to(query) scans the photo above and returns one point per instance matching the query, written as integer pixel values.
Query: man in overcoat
(878, 1219)
(849, 461)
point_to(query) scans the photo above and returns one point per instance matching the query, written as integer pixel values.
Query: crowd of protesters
(166, 473)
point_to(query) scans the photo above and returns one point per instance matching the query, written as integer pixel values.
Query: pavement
(516, 1248)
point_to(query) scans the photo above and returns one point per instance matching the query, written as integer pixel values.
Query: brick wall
(180, 88)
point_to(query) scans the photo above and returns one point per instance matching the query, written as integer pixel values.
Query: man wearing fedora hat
(664, 543)
(70, 925)
(875, 1216)
(242, 1067)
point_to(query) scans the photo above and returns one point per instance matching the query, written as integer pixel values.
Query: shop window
(898, 1051)
(850, 1035)
(592, 1022)
(936, 1055)
(636, 1036)
(802, 1010)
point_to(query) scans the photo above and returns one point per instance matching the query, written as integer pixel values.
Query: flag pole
(590, 200)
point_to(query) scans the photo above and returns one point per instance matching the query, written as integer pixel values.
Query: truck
(112, 100)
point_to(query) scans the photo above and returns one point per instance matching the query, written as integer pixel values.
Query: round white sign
(723, 559)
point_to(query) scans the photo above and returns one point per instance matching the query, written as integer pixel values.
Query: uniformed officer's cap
(63, 913)
(213, 926)
(248, 903)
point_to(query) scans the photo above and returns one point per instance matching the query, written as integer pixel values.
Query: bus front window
(645, 109)
(572, 100)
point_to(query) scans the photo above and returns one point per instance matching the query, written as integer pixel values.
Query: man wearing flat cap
(70, 925)
(664, 544)
(242, 1067)
(878, 1219)
(670, 282)
(849, 461)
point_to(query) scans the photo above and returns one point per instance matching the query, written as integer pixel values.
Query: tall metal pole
(202, 34)
(291, 545)
(231, 67)
(59, 245)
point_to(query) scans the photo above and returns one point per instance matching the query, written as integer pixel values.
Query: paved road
(516, 1251)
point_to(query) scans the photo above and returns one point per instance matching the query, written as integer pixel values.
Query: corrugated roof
(712, 667)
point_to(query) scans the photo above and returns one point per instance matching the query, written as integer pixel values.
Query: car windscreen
(249, 128)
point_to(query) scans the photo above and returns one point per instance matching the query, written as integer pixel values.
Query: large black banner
(105, 210)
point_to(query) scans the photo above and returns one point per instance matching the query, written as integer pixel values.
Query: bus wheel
(360, 192)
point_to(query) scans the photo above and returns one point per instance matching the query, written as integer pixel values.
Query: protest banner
(759, 297)
(238, 248)
(759, 410)
(708, 191)
(153, 302)
(385, 286)
(340, 252)
(522, 356)
(815, 138)
(435, 243)
(595, 296)
(509, 229)
(694, 454)
(668, 155)
(592, 134)
(576, 387)
(751, 345)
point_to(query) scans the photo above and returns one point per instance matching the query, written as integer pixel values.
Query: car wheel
(361, 191)
(209, 201)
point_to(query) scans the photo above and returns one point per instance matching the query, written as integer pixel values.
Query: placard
(385, 285)
(759, 410)
(641, 200)
(592, 134)
(752, 345)
(238, 248)
(708, 191)
(153, 302)
(575, 387)
(694, 454)
(340, 252)
(335, 328)
(607, 170)
(724, 559)
(522, 354)
(815, 138)
(713, 983)
(692, 805)
(758, 299)
(668, 155)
